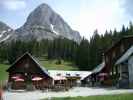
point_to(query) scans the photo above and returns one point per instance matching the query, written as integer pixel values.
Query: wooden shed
(109, 73)
(112, 55)
(115, 52)
(125, 66)
(27, 73)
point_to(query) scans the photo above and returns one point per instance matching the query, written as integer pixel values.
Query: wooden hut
(125, 66)
(110, 57)
(113, 54)
(27, 73)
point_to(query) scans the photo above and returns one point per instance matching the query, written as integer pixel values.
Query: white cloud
(13, 4)
(101, 15)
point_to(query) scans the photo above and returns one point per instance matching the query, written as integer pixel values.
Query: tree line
(86, 55)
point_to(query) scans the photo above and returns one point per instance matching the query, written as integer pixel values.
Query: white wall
(130, 68)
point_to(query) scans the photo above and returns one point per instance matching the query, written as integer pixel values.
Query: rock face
(4, 32)
(44, 23)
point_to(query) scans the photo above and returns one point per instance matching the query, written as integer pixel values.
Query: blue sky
(82, 15)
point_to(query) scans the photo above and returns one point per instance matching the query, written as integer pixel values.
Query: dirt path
(78, 91)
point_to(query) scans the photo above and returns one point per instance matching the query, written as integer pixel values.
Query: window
(25, 74)
(26, 65)
(77, 74)
(58, 74)
(67, 74)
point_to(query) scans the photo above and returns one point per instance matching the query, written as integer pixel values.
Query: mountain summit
(44, 23)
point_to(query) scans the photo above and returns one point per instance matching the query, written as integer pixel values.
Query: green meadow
(105, 97)
(3, 73)
(52, 65)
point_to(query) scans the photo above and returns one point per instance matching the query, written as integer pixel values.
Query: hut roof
(62, 73)
(99, 68)
(125, 56)
(96, 70)
(118, 42)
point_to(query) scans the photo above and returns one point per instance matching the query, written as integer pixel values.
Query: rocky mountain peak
(3, 26)
(45, 23)
(40, 16)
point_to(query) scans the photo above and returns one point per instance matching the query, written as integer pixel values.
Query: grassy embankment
(51, 65)
(105, 97)
(3, 73)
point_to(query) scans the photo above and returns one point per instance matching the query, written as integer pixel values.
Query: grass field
(48, 64)
(51, 65)
(3, 73)
(105, 97)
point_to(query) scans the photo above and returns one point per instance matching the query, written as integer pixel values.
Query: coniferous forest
(86, 55)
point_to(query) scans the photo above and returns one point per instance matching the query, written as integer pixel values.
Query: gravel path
(78, 91)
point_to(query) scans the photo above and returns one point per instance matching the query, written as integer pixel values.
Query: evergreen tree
(82, 57)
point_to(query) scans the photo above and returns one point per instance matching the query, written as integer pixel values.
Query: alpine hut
(27, 73)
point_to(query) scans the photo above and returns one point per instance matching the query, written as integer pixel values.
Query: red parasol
(15, 77)
(36, 79)
(19, 79)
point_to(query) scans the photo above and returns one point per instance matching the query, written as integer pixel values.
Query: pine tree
(82, 57)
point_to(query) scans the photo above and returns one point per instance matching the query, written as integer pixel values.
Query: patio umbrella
(15, 77)
(36, 79)
(19, 79)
